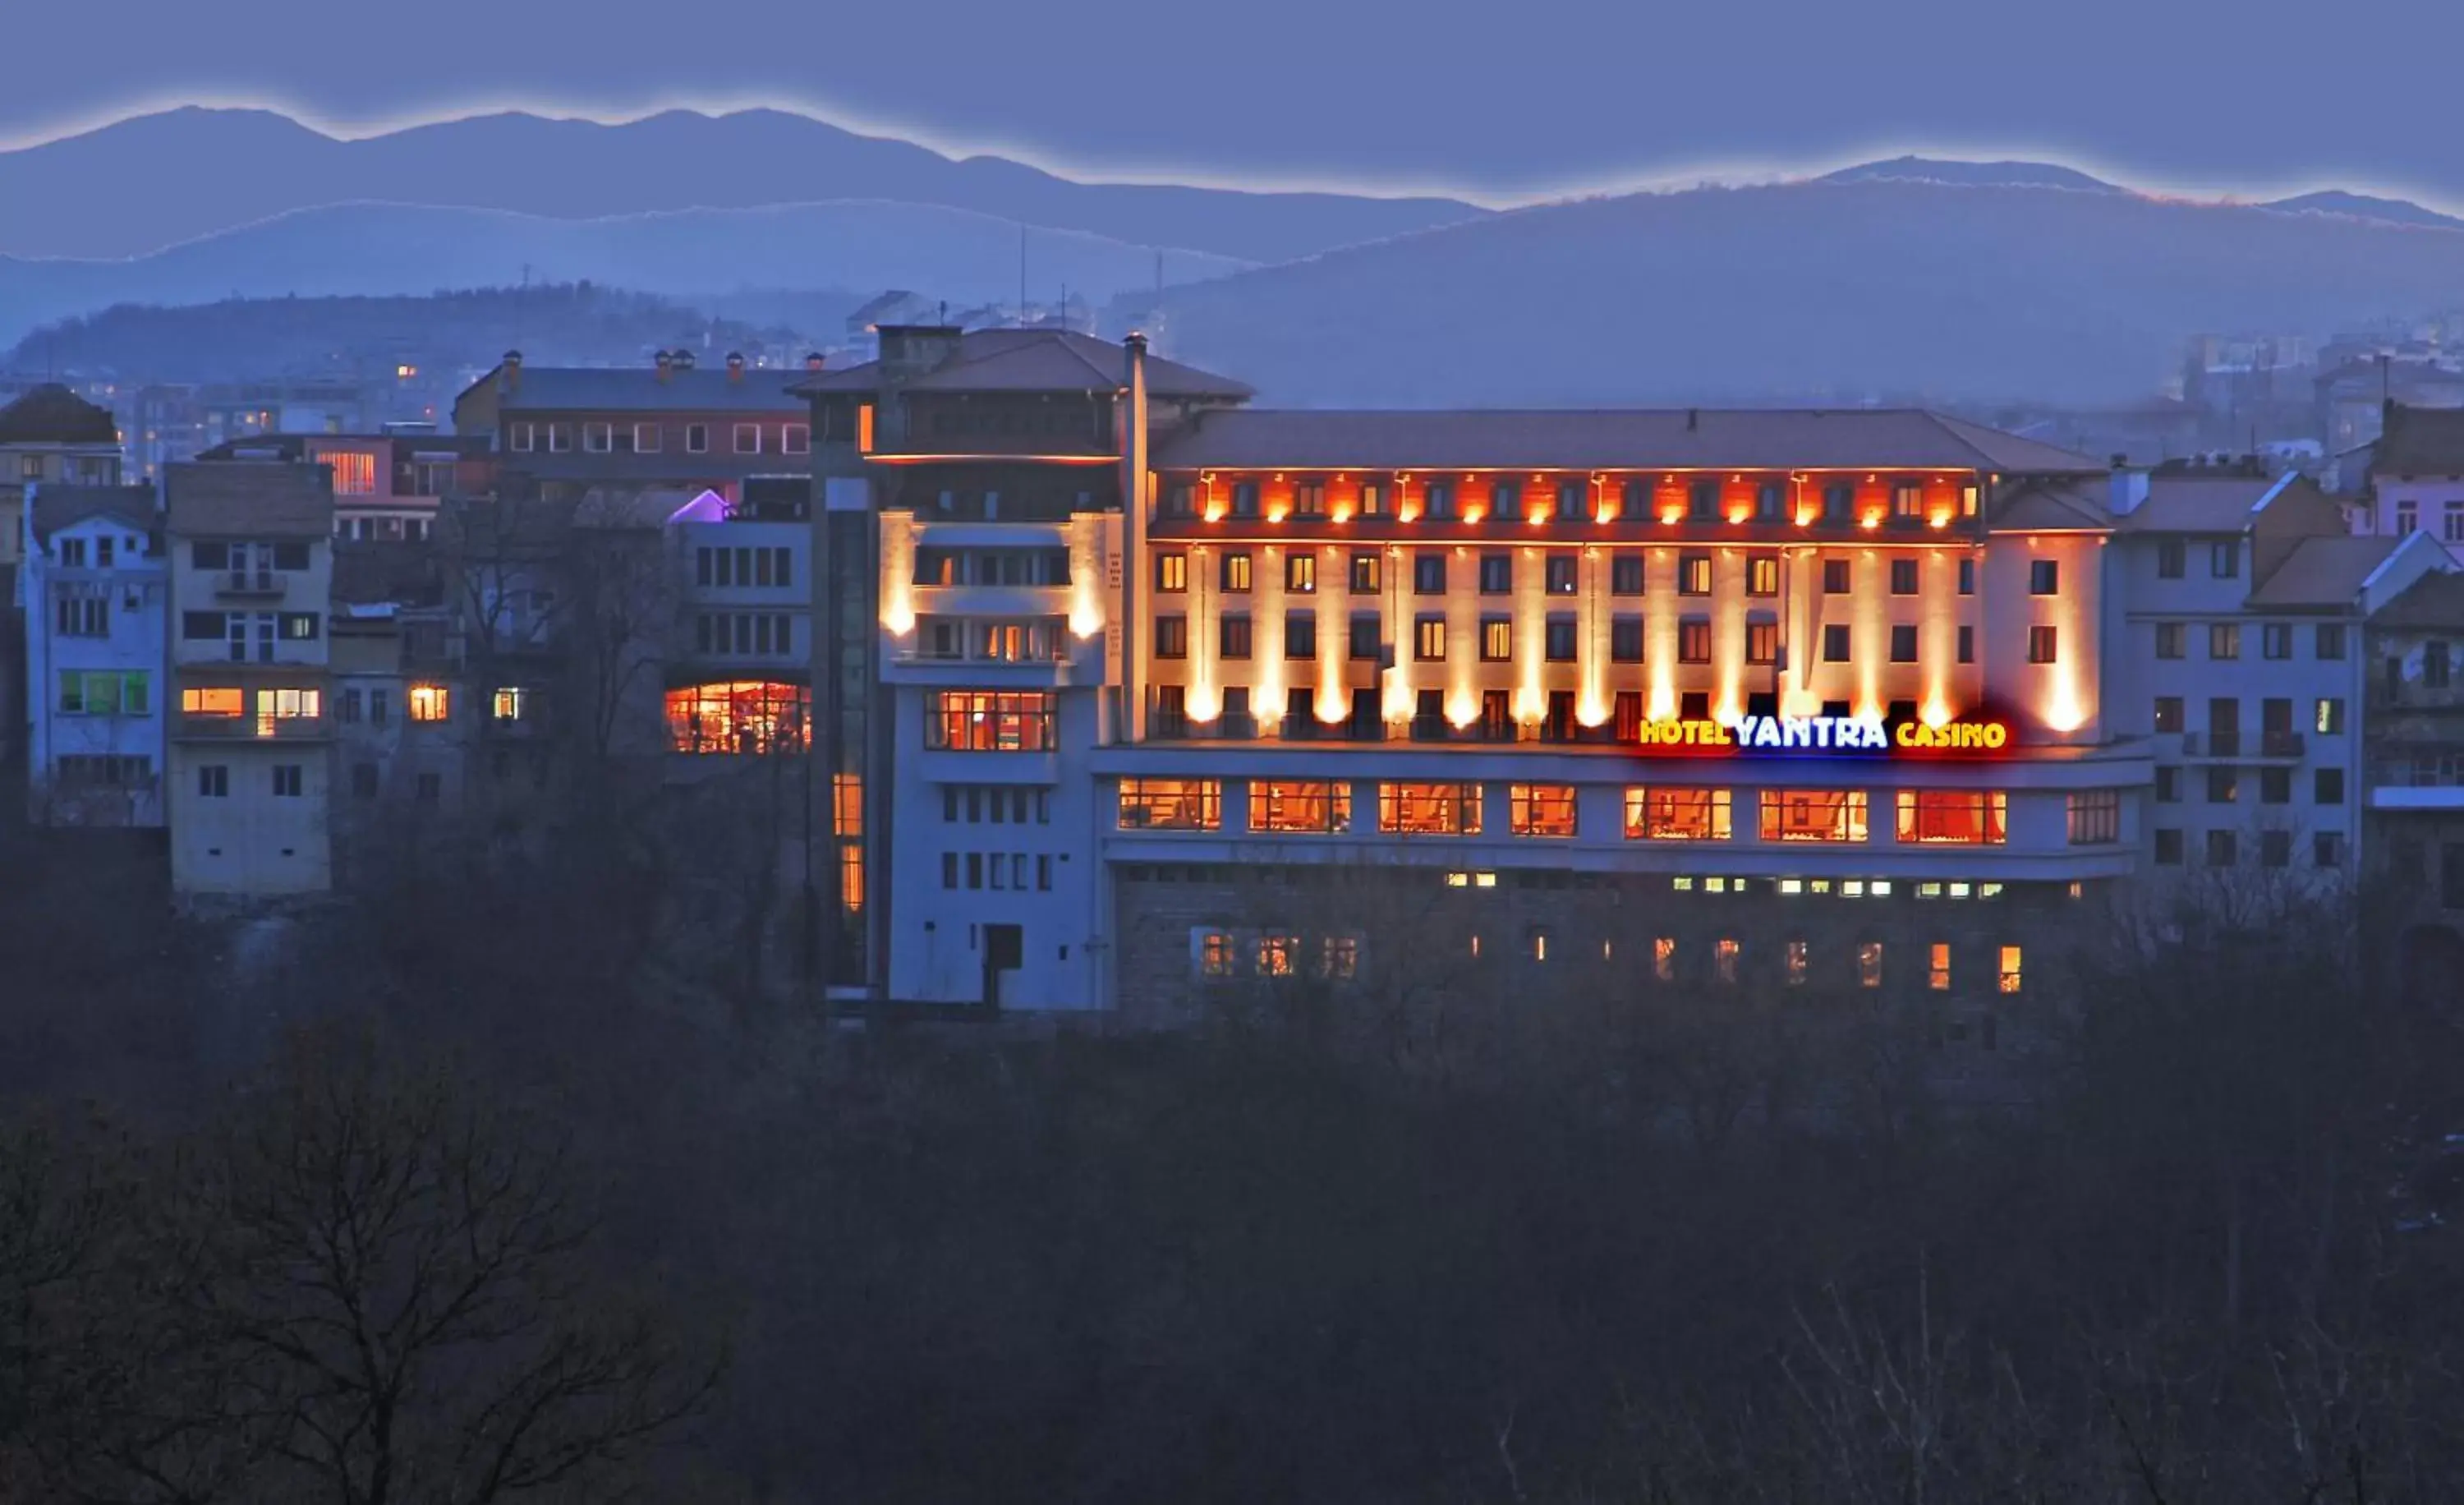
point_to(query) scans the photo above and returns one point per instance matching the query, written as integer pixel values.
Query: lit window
(748, 438)
(1539, 943)
(227, 701)
(1541, 809)
(1938, 966)
(1813, 815)
(2010, 970)
(1278, 956)
(1796, 963)
(1869, 963)
(1429, 810)
(285, 705)
(513, 703)
(1724, 960)
(1339, 957)
(1299, 807)
(354, 474)
(1664, 959)
(430, 703)
(1171, 803)
(990, 720)
(1956, 817)
(2094, 817)
(739, 717)
(1216, 955)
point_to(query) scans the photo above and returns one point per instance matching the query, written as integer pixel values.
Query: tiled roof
(2183, 502)
(2056, 508)
(249, 499)
(1879, 438)
(638, 388)
(2324, 571)
(52, 414)
(2421, 441)
(56, 507)
(2435, 601)
(1036, 361)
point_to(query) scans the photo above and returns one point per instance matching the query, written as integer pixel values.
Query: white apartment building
(92, 589)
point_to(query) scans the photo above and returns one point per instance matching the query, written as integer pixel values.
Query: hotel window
(1835, 577)
(1903, 577)
(1245, 498)
(1171, 636)
(598, 438)
(1441, 501)
(1171, 572)
(2044, 646)
(2094, 817)
(1429, 638)
(989, 721)
(1300, 634)
(1233, 635)
(1297, 807)
(1794, 953)
(1558, 640)
(1558, 579)
(2223, 849)
(1429, 810)
(1171, 803)
(356, 474)
(1838, 502)
(1541, 810)
(1496, 639)
(1505, 499)
(1968, 577)
(1762, 641)
(2330, 644)
(1571, 494)
(1625, 640)
(2168, 640)
(1373, 498)
(1496, 575)
(1694, 641)
(1364, 644)
(2276, 640)
(1907, 499)
(1634, 499)
(2224, 561)
(2172, 559)
(1823, 815)
(2328, 717)
(1724, 961)
(1762, 575)
(1626, 712)
(1869, 963)
(2224, 640)
(1904, 643)
(698, 438)
(1703, 500)
(430, 703)
(1770, 501)
(1300, 573)
(1308, 499)
(1429, 574)
(648, 436)
(2408, 517)
(1179, 500)
(1938, 966)
(2044, 577)
(1953, 817)
(2009, 979)
(517, 437)
(1236, 571)
(1626, 575)
(1834, 643)
(1967, 645)
(1364, 574)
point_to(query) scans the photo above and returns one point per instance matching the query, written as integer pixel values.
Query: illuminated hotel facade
(1128, 691)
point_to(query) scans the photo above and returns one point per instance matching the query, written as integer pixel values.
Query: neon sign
(1825, 734)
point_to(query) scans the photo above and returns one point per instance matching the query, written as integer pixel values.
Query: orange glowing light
(1475, 512)
(1739, 513)
(1604, 514)
(1340, 512)
(1278, 511)
(1407, 512)
(1217, 509)
(1670, 514)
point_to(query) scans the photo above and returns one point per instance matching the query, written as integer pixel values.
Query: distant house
(387, 486)
(895, 307)
(2415, 476)
(94, 589)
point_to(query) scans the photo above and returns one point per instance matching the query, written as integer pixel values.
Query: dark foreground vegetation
(495, 1198)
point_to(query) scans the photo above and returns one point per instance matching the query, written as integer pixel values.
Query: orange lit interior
(745, 716)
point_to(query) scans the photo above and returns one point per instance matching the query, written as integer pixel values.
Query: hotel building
(1143, 692)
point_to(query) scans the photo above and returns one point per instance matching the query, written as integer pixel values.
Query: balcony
(2243, 746)
(250, 728)
(239, 584)
(2426, 781)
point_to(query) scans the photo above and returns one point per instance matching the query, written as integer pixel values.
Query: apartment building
(50, 435)
(388, 487)
(2414, 480)
(93, 592)
(2237, 655)
(738, 657)
(251, 569)
(674, 425)
(2414, 780)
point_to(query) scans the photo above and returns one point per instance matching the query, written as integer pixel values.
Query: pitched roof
(2052, 509)
(2326, 571)
(1881, 438)
(56, 507)
(2421, 441)
(50, 414)
(2194, 502)
(2434, 600)
(1035, 361)
(249, 499)
(638, 388)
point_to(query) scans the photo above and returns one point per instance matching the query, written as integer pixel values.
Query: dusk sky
(1498, 100)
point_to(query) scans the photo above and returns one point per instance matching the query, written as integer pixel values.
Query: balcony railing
(249, 728)
(251, 583)
(1228, 727)
(2242, 744)
(2419, 771)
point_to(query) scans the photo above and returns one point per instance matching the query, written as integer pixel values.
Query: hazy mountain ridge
(209, 170)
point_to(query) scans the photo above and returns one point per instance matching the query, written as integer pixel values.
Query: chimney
(513, 370)
(666, 364)
(813, 361)
(1693, 416)
(2127, 489)
(1133, 529)
(682, 360)
(735, 366)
